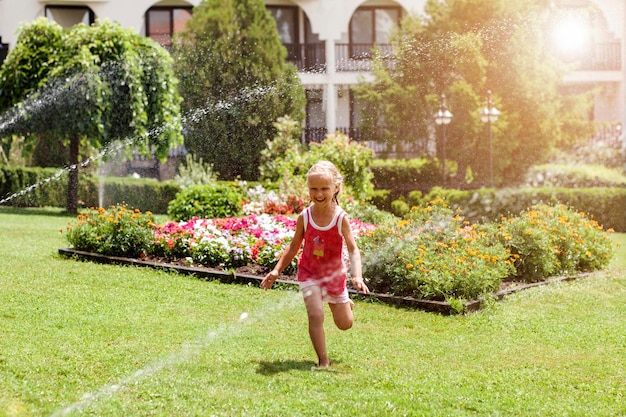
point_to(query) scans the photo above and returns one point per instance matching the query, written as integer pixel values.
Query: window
(68, 16)
(163, 21)
(373, 25)
(286, 22)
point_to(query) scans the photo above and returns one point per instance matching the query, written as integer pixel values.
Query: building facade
(331, 41)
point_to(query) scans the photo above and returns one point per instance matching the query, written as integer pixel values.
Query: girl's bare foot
(320, 366)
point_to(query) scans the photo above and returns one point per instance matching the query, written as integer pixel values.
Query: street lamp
(489, 115)
(443, 117)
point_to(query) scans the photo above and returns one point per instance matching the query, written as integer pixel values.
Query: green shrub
(433, 254)
(194, 171)
(146, 194)
(33, 187)
(403, 175)
(351, 158)
(605, 205)
(575, 176)
(554, 240)
(399, 207)
(381, 199)
(118, 231)
(206, 201)
(368, 213)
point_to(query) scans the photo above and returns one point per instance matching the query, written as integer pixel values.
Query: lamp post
(443, 117)
(489, 115)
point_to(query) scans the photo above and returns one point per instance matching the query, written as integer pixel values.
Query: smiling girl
(324, 228)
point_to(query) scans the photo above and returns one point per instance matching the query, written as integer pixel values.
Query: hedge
(605, 205)
(51, 190)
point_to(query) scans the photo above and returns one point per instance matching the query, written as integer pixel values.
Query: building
(330, 41)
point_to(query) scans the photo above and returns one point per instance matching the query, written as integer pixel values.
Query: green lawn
(86, 339)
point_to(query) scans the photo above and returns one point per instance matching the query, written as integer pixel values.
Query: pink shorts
(332, 299)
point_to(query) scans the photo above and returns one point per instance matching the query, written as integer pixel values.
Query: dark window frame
(171, 10)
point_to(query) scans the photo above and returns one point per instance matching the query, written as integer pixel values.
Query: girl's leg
(342, 314)
(315, 311)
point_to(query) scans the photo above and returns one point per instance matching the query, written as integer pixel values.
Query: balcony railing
(311, 57)
(307, 57)
(358, 56)
(605, 56)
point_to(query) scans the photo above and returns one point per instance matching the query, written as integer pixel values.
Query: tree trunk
(72, 184)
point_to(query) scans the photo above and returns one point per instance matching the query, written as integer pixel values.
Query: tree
(235, 83)
(90, 86)
(462, 48)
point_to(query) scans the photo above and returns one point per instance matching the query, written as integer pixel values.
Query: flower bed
(431, 255)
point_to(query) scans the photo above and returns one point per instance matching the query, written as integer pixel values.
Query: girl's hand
(269, 279)
(359, 285)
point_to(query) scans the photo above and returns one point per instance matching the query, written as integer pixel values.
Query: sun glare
(571, 35)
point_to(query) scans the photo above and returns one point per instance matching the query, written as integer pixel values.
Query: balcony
(358, 56)
(349, 56)
(307, 57)
(605, 56)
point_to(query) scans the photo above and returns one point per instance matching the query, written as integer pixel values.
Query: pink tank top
(322, 256)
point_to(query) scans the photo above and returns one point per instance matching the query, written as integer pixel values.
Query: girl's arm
(287, 256)
(355, 257)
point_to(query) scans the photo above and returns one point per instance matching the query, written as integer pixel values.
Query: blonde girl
(324, 228)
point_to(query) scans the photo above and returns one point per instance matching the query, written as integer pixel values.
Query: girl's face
(321, 189)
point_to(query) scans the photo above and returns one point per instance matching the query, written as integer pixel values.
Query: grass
(88, 339)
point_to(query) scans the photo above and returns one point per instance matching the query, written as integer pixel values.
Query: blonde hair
(328, 170)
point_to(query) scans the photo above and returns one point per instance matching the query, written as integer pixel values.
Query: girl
(323, 227)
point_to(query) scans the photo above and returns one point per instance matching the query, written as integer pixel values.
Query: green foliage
(146, 194)
(368, 213)
(462, 49)
(143, 193)
(283, 154)
(574, 176)
(232, 69)
(554, 240)
(116, 231)
(402, 175)
(400, 207)
(206, 201)
(605, 205)
(100, 83)
(433, 254)
(351, 158)
(194, 171)
(17, 186)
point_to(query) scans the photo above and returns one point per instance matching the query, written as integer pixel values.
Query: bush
(433, 254)
(206, 201)
(194, 171)
(146, 194)
(575, 176)
(605, 205)
(351, 158)
(555, 240)
(402, 175)
(33, 187)
(118, 231)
